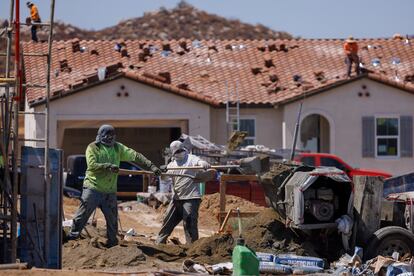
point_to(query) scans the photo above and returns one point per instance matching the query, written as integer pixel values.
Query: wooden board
(368, 193)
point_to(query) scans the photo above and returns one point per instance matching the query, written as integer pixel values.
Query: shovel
(250, 165)
(132, 172)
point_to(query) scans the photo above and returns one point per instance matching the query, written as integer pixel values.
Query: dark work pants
(34, 33)
(181, 210)
(90, 200)
(352, 58)
(33, 29)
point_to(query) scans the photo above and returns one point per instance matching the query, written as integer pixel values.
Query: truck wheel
(389, 239)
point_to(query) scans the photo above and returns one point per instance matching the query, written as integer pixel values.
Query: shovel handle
(132, 172)
(200, 168)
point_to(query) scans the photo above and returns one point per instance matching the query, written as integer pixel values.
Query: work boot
(110, 244)
(72, 236)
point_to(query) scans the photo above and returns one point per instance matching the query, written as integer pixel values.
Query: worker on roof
(186, 195)
(99, 186)
(351, 52)
(35, 18)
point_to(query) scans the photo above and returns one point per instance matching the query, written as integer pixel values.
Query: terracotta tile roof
(268, 72)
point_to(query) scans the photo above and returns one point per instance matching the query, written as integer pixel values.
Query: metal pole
(227, 111)
(47, 174)
(295, 136)
(17, 90)
(238, 105)
(6, 133)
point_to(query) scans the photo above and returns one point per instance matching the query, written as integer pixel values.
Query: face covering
(106, 135)
(180, 156)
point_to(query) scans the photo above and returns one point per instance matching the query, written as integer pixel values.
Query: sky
(304, 18)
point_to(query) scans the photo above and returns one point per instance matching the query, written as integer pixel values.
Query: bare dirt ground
(140, 252)
(139, 255)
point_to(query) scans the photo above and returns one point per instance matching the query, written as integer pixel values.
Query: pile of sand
(212, 250)
(263, 233)
(90, 254)
(210, 208)
(211, 203)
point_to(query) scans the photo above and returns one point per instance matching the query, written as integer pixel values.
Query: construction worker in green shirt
(100, 185)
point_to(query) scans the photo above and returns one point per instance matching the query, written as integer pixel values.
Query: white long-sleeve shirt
(185, 187)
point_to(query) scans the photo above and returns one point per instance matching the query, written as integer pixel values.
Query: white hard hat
(175, 146)
(28, 3)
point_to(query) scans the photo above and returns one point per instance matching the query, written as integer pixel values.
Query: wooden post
(145, 182)
(368, 194)
(223, 186)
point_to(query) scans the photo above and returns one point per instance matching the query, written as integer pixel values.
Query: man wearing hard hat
(186, 195)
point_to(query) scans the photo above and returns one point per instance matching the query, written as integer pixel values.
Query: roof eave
(369, 76)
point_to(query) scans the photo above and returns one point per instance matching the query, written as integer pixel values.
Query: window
(308, 160)
(249, 126)
(387, 137)
(330, 162)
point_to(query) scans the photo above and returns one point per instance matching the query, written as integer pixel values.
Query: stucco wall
(344, 110)
(268, 125)
(101, 103)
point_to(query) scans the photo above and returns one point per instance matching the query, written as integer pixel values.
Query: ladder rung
(35, 54)
(27, 54)
(32, 113)
(7, 80)
(34, 24)
(34, 85)
(32, 140)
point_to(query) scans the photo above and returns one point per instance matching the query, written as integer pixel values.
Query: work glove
(114, 169)
(204, 164)
(107, 166)
(156, 170)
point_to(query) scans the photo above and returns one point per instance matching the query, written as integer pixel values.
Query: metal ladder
(11, 134)
(232, 108)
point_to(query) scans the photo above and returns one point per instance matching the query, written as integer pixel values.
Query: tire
(389, 239)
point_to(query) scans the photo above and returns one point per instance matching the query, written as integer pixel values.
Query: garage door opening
(148, 141)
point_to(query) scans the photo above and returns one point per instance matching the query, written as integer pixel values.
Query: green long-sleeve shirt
(100, 157)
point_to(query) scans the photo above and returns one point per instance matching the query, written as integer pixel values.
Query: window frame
(398, 137)
(255, 128)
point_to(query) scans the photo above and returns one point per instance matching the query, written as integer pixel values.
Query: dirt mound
(211, 250)
(210, 207)
(163, 252)
(266, 233)
(93, 254)
(211, 203)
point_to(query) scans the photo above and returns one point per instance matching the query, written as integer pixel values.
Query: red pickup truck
(330, 160)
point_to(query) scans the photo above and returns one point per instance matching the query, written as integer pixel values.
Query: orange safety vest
(34, 13)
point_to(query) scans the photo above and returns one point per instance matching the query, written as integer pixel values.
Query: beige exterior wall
(268, 125)
(144, 106)
(344, 109)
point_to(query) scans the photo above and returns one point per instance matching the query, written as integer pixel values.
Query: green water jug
(202, 188)
(245, 261)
